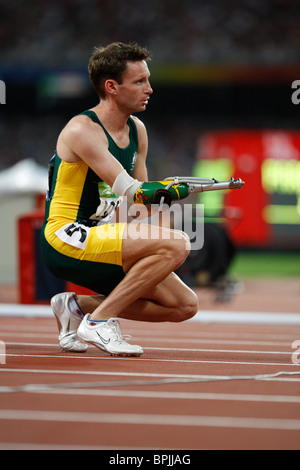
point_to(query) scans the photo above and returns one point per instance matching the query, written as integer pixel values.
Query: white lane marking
(153, 360)
(151, 419)
(138, 374)
(240, 351)
(174, 395)
(4, 335)
(159, 334)
(203, 316)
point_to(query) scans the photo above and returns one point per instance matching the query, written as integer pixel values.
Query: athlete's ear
(111, 87)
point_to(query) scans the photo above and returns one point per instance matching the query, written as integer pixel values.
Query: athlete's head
(110, 62)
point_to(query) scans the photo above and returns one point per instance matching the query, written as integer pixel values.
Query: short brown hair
(110, 63)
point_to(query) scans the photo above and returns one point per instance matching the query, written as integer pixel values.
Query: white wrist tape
(125, 185)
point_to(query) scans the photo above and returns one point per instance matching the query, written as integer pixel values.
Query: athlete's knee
(179, 248)
(186, 308)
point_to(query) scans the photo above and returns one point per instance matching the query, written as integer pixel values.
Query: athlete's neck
(112, 118)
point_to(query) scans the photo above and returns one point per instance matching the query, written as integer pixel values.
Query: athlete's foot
(107, 336)
(67, 323)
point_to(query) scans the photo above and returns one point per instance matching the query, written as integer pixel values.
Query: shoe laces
(115, 326)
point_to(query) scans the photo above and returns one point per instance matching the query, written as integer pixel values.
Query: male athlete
(132, 275)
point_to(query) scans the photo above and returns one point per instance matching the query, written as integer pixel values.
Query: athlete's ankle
(75, 308)
(93, 322)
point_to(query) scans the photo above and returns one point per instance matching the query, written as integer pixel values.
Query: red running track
(195, 387)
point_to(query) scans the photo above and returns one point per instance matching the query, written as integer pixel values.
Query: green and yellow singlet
(71, 248)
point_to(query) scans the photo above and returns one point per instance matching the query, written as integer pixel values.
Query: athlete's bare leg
(171, 300)
(150, 290)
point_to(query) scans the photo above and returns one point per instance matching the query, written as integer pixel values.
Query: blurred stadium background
(222, 73)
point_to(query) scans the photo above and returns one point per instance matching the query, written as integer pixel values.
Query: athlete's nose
(149, 89)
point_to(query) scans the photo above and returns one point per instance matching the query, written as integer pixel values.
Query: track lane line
(174, 395)
(240, 351)
(136, 374)
(149, 338)
(153, 360)
(150, 419)
(160, 334)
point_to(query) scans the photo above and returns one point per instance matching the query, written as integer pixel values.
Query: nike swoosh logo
(105, 341)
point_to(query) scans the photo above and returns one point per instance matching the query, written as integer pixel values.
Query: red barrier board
(266, 211)
(36, 284)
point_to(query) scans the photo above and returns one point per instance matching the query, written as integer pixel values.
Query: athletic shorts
(87, 256)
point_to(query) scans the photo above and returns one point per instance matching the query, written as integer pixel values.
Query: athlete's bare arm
(140, 168)
(83, 139)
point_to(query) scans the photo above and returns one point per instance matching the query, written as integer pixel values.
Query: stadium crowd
(62, 32)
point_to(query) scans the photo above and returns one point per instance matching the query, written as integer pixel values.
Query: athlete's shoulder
(79, 126)
(81, 120)
(78, 135)
(140, 127)
(139, 124)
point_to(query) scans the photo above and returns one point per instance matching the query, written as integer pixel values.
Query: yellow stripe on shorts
(101, 244)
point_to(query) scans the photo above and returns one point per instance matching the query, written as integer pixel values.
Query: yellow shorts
(87, 256)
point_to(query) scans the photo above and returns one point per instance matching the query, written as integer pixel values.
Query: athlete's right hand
(107, 208)
(109, 203)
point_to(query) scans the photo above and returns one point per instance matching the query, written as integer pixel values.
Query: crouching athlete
(133, 276)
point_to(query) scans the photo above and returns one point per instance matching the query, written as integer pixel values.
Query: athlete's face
(135, 89)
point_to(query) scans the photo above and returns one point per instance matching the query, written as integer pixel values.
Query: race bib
(74, 234)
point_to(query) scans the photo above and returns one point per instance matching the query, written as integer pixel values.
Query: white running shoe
(108, 337)
(67, 323)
